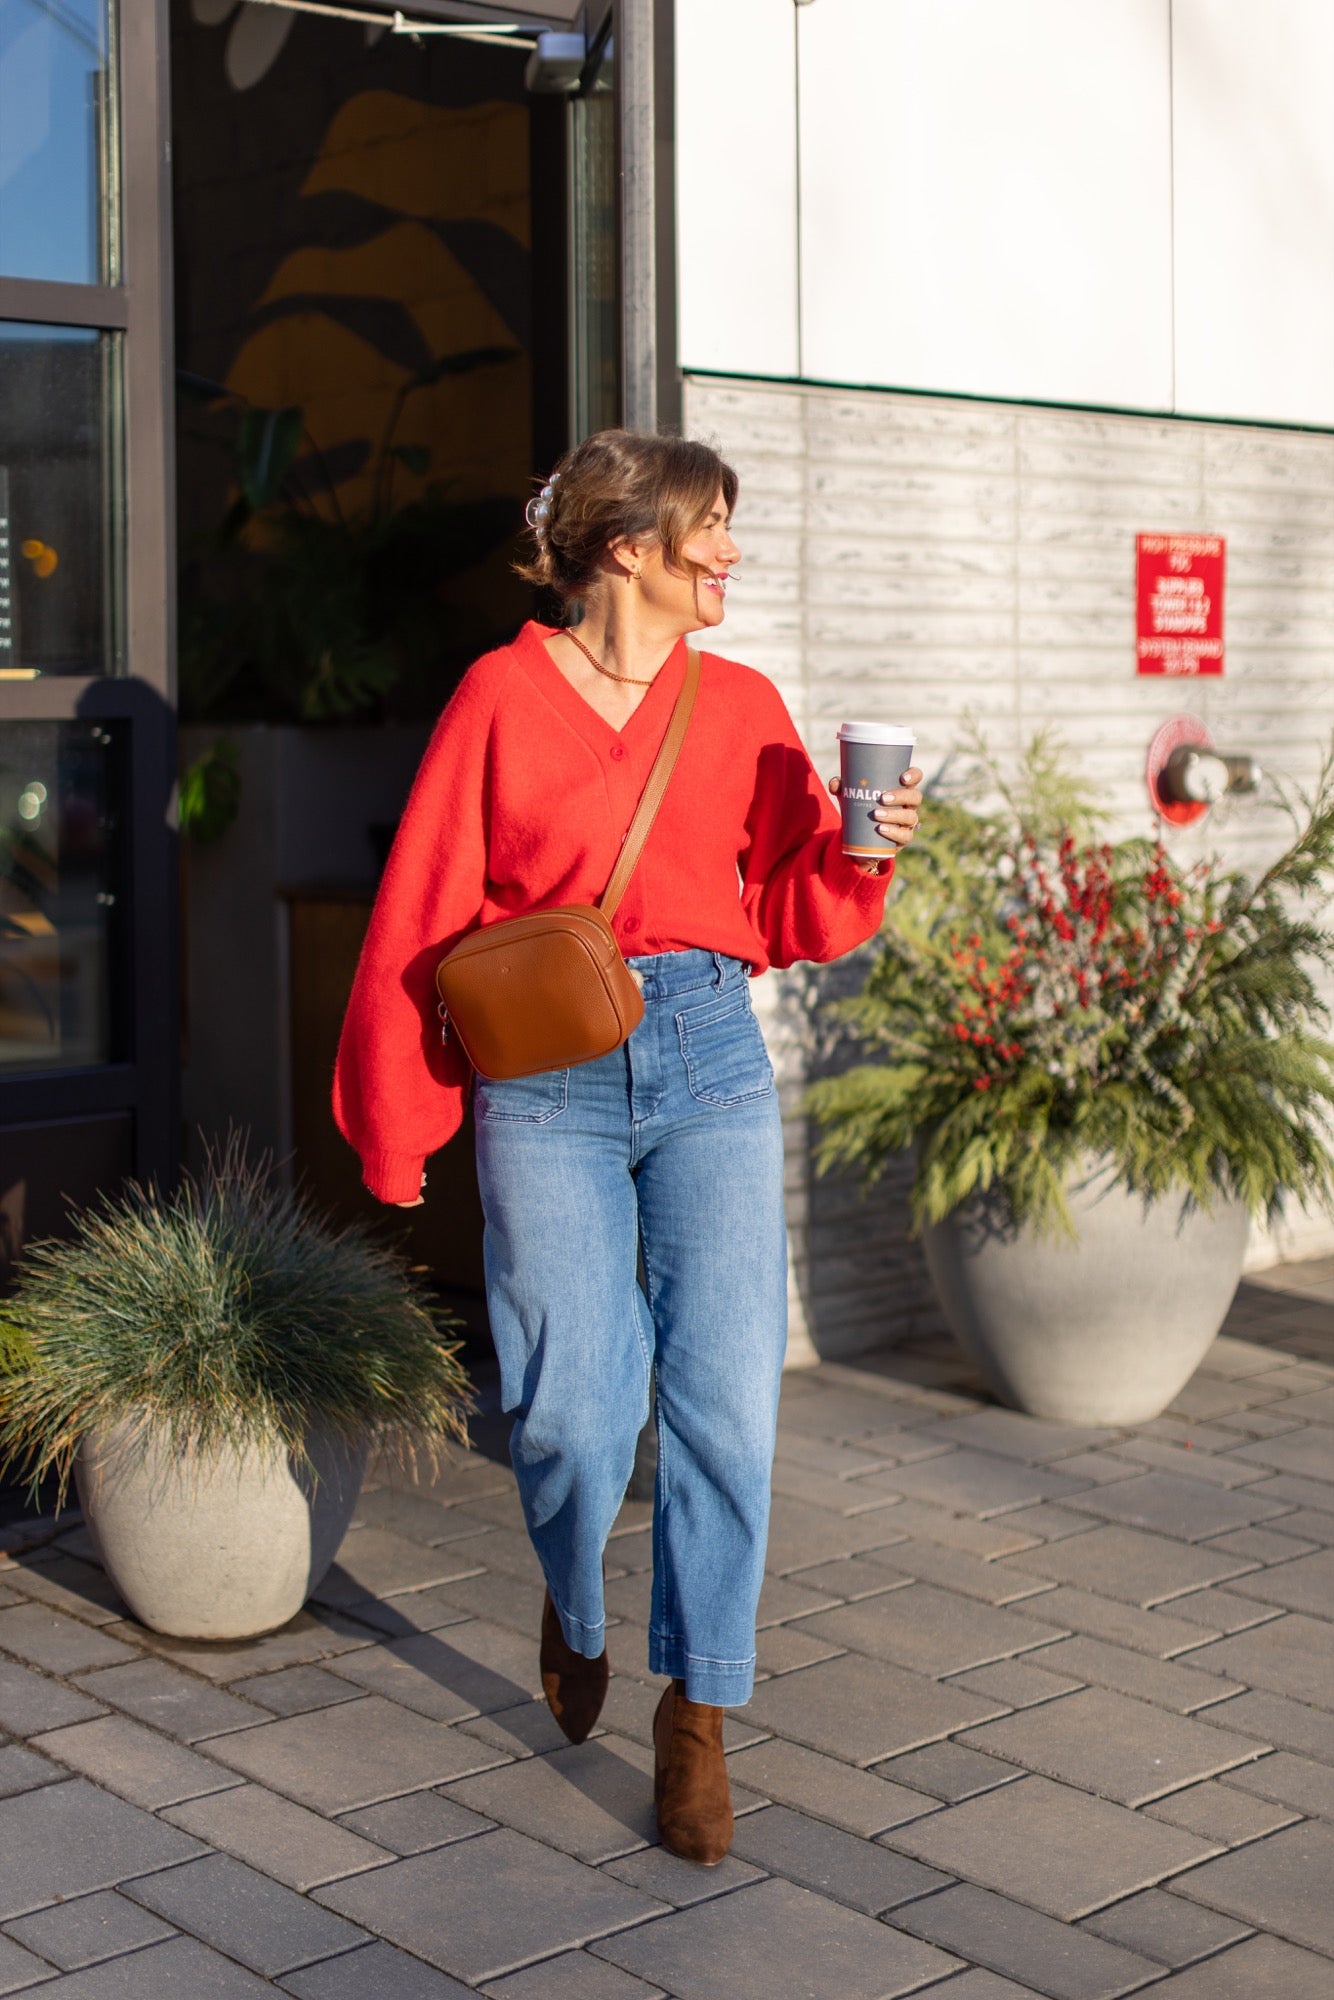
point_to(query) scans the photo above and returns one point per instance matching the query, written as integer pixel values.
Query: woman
(667, 1152)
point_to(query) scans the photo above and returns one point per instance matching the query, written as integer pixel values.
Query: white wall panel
(986, 196)
(736, 185)
(1253, 88)
(907, 555)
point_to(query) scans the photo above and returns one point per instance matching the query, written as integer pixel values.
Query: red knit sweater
(522, 801)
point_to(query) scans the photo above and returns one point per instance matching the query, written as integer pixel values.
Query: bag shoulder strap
(652, 795)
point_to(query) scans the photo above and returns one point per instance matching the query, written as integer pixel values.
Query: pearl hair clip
(538, 511)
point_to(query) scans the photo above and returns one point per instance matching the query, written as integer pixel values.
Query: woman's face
(696, 597)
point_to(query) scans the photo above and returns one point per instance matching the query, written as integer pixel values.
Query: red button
(617, 752)
(630, 925)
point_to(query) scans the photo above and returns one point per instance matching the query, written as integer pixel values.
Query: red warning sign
(1179, 604)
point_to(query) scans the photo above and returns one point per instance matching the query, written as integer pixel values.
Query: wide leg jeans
(665, 1154)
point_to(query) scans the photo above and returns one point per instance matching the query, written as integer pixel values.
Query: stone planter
(1103, 1330)
(220, 1547)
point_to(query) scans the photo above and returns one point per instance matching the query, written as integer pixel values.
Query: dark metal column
(634, 36)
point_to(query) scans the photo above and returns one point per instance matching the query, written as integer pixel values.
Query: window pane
(60, 851)
(59, 478)
(56, 145)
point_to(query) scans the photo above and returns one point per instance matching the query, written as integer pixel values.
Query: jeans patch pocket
(725, 1057)
(528, 1100)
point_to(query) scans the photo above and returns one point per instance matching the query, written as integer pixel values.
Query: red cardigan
(522, 801)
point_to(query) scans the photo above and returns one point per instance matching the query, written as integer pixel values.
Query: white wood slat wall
(914, 557)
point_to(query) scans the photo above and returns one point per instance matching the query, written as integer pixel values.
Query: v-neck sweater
(521, 803)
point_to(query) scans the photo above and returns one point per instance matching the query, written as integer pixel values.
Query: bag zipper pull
(443, 1012)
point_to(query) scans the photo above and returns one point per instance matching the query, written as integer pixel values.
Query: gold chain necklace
(628, 679)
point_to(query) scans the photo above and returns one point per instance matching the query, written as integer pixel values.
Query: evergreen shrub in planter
(213, 1367)
(1105, 1062)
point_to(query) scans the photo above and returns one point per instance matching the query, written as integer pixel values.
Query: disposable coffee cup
(873, 757)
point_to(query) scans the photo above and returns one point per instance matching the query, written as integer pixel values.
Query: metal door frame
(645, 41)
(143, 697)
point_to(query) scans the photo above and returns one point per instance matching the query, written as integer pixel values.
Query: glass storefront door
(89, 1007)
(87, 861)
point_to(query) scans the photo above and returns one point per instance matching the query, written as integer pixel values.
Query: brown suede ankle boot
(575, 1687)
(690, 1784)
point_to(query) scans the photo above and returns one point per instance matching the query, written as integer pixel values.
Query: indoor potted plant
(213, 1366)
(1106, 1063)
(298, 610)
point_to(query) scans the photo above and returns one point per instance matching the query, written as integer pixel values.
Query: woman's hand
(420, 1202)
(897, 817)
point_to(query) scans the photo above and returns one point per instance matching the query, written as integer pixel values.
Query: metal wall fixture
(570, 65)
(1186, 774)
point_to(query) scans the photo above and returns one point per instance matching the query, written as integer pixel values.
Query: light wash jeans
(670, 1146)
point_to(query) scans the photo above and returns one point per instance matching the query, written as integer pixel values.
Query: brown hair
(622, 485)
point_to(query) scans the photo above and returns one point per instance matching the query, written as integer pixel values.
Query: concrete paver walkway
(1045, 1710)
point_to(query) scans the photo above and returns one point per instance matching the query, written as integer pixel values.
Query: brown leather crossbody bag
(551, 989)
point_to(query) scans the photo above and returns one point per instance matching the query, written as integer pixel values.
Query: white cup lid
(876, 732)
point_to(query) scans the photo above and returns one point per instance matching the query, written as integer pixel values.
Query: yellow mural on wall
(428, 159)
(344, 327)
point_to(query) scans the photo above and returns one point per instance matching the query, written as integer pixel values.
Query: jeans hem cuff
(590, 1640)
(720, 1683)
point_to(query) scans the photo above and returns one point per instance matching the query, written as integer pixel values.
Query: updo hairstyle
(622, 486)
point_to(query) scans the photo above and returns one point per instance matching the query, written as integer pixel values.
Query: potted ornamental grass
(1106, 1063)
(213, 1367)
